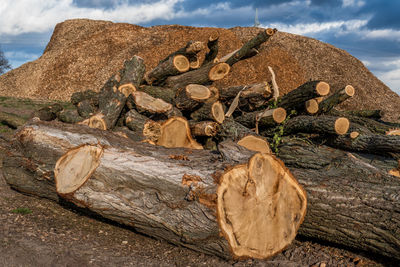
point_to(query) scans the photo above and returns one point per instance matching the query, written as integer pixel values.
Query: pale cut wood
(194, 62)
(143, 128)
(146, 104)
(311, 106)
(354, 135)
(175, 132)
(393, 132)
(219, 71)
(173, 66)
(192, 96)
(131, 75)
(260, 207)
(255, 143)
(209, 111)
(336, 98)
(342, 125)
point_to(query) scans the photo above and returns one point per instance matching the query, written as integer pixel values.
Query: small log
(85, 95)
(322, 124)
(145, 129)
(189, 50)
(194, 62)
(69, 116)
(262, 37)
(311, 106)
(47, 113)
(393, 132)
(204, 75)
(375, 114)
(173, 66)
(166, 94)
(192, 96)
(148, 105)
(86, 108)
(295, 99)
(251, 96)
(232, 130)
(336, 98)
(131, 75)
(354, 135)
(255, 143)
(11, 120)
(265, 119)
(209, 111)
(212, 45)
(175, 132)
(203, 128)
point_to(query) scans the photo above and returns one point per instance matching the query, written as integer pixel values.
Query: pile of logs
(168, 153)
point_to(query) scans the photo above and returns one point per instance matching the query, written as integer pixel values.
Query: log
(366, 113)
(189, 50)
(230, 129)
(173, 66)
(209, 111)
(86, 108)
(322, 124)
(311, 106)
(203, 128)
(69, 116)
(131, 75)
(47, 113)
(11, 120)
(336, 98)
(192, 96)
(85, 95)
(255, 143)
(265, 119)
(175, 132)
(194, 62)
(147, 105)
(295, 99)
(144, 129)
(166, 94)
(212, 45)
(255, 42)
(168, 194)
(204, 75)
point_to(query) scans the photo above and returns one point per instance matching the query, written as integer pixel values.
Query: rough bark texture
(173, 66)
(336, 98)
(270, 119)
(209, 111)
(189, 50)
(69, 116)
(11, 120)
(86, 108)
(85, 95)
(47, 113)
(166, 94)
(321, 124)
(132, 74)
(212, 45)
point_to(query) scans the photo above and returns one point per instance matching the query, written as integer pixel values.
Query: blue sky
(367, 29)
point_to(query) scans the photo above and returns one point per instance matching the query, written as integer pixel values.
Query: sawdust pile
(83, 53)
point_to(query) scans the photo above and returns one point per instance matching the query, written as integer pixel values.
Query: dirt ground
(39, 232)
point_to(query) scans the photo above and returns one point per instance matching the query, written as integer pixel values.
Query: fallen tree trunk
(169, 194)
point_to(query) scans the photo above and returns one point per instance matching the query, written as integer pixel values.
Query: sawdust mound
(83, 53)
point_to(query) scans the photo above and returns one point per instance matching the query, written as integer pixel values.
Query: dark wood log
(311, 107)
(86, 108)
(69, 116)
(85, 95)
(336, 98)
(143, 128)
(252, 96)
(271, 118)
(295, 99)
(189, 50)
(173, 66)
(232, 130)
(192, 96)
(212, 45)
(191, 205)
(11, 120)
(209, 111)
(47, 113)
(204, 75)
(194, 62)
(166, 94)
(322, 124)
(203, 128)
(260, 38)
(131, 75)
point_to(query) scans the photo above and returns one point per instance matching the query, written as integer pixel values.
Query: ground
(39, 232)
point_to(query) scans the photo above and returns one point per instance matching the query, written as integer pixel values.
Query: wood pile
(219, 170)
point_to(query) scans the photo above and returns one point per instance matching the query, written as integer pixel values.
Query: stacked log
(195, 165)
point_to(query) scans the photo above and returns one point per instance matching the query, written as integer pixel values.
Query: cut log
(204, 128)
(173, 66)
(194, 62)
(262, 37)
(148, 105)
(11, 120)
(69, 116)
(209, 111)
(212, 45)
(85, 95)
(232, 130)
(295, 99)
(189, 50)
(175, 132)
(145, 129)
(47, 113)
(354, 135)
(131, 75)
(366, 113)
(204, 75)
(255, 143)
(268, 118)
(192, 96)
(166, 94)
(393, 132)
(86, 108)
(321, 124)
(336, 98)
(311, 106)
(367, 219)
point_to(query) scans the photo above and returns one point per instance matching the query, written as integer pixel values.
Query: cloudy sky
(367, 29)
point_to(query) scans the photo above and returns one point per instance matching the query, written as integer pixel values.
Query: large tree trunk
(188, 198)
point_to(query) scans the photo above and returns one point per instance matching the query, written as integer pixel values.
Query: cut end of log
(393, 132)
(127, 89)
(148, 103)
(279, 115)
(270, 31)
(194, 63)
(217, 111)
(255, 143)
(260, 207)
(152, 131)
(175, 132)
(195, 47)
(181, 63)
(213, 37)
(97, 121)
(75, 167)
(198, 92)
(342, 125)
(319, 99)
(219, 71)
(350, 91)
(312, 106)
(354, 135)
(322, 88)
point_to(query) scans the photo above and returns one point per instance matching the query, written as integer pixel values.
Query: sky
(367, 29)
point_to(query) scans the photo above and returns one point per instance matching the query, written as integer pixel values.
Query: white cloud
(23, 16)
(353, 3)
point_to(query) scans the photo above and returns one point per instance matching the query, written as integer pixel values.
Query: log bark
(204, 75)
(232, 130)
(85, 95)
(271, 118)
(173, 66)
(69, 116)
(132, 75)
(260, 38)
(189, 205)
(47, 113)
(322, 124)
(295, 99)
(192, 96)
(336, 98)
(86, 108)
(166, 94)
(189, 50)
(203, 128)
(209, 111)
(212, 53)
(366, 113)
(11, 120)
(144, 128)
